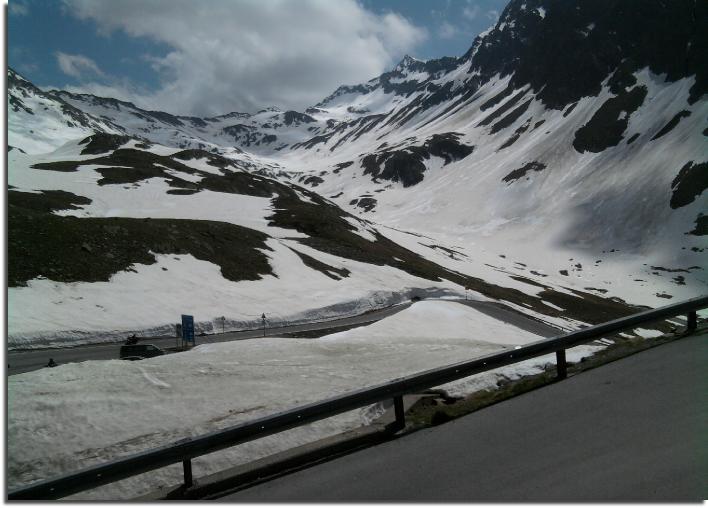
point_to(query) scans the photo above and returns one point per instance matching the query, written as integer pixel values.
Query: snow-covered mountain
(559, 166)
(267, 131)
(39, 122)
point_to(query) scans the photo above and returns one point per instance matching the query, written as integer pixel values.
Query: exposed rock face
(102, 143)
(565, 49)
(398, 166)
(607, 126)
(671, 124)
(366, 203)
(690, 183)
(248, 135)
(521, 172)
(448, 146)
(312, 181)
(701, 228)
(291, 117)
(407, 166)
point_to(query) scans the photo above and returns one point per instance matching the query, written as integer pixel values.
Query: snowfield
(563, 215)
(42, 314)
(463, 215)
(77, 415)
(573, 201)
(149, 299)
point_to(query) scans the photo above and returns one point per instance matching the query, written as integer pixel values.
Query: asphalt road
(28, 360)
(508, 315)
(632, 430)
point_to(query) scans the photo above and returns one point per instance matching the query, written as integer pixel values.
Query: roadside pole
(263, 317)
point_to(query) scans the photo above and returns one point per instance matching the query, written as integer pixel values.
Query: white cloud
(78, 66)
(448, 30)
(493, 14)
(121, 90)
(470, 11)
(17, 8)
(246, 55)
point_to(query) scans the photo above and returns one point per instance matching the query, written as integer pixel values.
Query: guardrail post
(692, 324)
(561, 365)
(187, 465)
(400, 414)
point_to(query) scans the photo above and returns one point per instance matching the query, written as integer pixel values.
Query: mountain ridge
(424, 179)
(515, 46)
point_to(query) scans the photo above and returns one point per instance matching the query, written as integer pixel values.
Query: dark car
(139, 351)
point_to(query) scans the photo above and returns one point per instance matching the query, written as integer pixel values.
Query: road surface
(631, 430)
(28, 360)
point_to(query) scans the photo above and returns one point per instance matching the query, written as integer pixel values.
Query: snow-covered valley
(466, 215)
(528, 172)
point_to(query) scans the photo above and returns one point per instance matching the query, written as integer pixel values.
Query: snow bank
(76, 415)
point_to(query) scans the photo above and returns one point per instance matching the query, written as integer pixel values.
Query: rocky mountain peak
(407, 62)
(565, 49)
(271, 109)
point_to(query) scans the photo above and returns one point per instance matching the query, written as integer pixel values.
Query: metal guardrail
(187, 449)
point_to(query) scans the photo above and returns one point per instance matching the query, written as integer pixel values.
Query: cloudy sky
(210, 57)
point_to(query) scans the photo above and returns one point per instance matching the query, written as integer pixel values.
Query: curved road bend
(632, 430)
(28, 360)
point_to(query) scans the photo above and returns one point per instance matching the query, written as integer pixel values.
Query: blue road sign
(187, 328)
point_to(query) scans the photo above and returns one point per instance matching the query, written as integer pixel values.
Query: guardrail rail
(187, 449)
